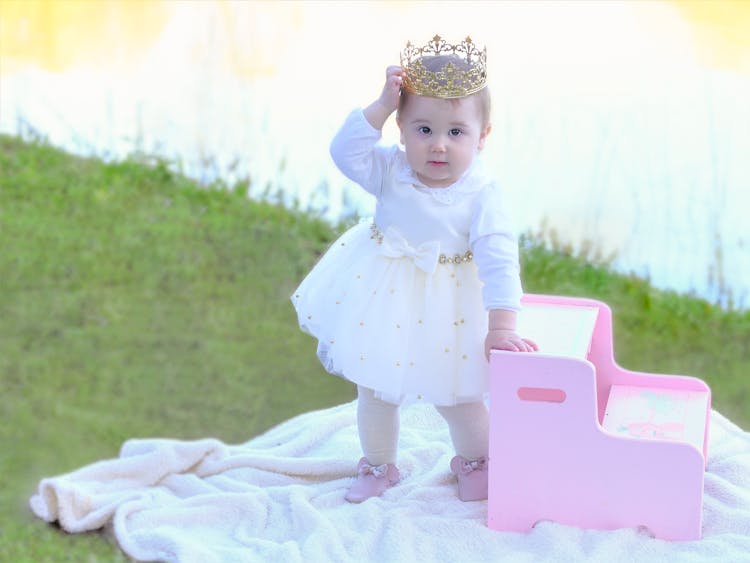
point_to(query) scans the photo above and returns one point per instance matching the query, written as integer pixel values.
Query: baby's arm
(378, 111)
(495, 251)
(354, 149)
(502, 335)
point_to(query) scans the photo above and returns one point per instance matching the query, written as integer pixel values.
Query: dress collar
(472, 180)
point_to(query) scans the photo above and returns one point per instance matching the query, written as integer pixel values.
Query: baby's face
(441, 137)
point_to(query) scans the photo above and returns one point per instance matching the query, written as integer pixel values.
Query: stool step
(559, 330)
(657, 414)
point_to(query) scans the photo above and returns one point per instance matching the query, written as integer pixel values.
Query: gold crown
(462, 70)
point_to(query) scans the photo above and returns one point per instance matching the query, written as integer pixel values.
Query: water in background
(622, 125)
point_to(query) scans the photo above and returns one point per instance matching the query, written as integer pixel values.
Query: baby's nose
(438, 144)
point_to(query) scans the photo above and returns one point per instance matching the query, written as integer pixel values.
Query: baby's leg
(378, 423)
(469, 427)
(469, 424)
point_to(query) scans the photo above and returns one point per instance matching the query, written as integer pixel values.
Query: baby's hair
(436, 63)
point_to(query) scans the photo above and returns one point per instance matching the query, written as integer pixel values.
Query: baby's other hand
(501, 339)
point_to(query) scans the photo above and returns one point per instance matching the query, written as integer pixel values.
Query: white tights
(378, 424)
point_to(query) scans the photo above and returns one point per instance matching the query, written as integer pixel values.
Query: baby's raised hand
(378, 111)
(394, 76)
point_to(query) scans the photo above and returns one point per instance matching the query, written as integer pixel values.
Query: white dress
(399, 303)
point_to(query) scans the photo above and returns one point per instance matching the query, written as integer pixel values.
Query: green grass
(134, 303)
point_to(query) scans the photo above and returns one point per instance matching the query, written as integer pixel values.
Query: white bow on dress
(425, 256)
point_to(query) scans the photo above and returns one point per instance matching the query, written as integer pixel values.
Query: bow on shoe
(466, 466)
(425, 255)
(377, 471)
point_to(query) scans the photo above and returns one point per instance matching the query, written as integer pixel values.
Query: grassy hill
(134, 303)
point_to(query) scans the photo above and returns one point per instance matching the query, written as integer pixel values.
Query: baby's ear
(400, 130)
(483, 136)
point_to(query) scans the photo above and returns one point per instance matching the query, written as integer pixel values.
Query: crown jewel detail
(463, 70)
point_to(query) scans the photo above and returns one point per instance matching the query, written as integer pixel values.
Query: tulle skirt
(385, 323)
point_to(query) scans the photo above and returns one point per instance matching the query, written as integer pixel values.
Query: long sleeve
(355, 153)
(495, 249)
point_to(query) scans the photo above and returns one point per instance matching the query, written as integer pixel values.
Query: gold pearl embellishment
(467, 256)
(456, 258)
(375, 234)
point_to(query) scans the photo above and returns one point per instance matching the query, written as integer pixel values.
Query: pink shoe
(472, 477)
(372, 480)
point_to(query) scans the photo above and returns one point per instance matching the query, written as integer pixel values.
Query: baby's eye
(454, 132)
(425, 130)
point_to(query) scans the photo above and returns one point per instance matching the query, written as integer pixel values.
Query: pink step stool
(576, 439)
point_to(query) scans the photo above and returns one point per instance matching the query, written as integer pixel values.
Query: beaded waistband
(467, 256)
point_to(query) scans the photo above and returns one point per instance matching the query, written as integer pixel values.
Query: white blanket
(280, 497)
